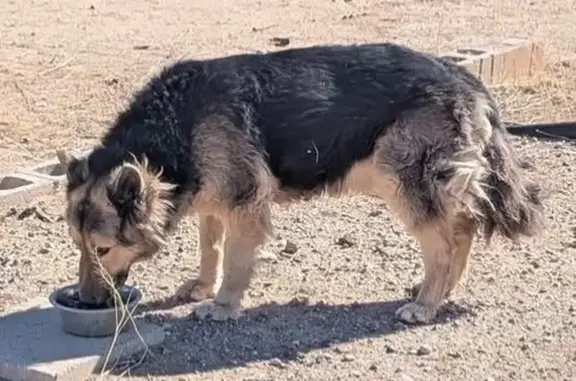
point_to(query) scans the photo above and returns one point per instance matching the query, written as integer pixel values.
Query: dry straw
(124, 315)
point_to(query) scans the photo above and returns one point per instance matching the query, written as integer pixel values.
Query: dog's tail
(515, 206)
(503, 200)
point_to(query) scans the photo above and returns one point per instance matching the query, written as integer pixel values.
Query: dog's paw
(194, 290)
(415, 313)
(218, 312)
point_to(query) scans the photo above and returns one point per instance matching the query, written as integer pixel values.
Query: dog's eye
(102, 251)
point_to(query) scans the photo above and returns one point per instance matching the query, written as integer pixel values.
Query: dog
(225, 138)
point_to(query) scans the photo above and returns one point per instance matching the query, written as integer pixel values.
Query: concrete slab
(33, 347)
(52, 169)
(20, 187)
(510, 59)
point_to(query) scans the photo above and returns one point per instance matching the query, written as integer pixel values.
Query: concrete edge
(510, 59)
(126, 347)
(34, 187)
(79, 368)
(38, 183)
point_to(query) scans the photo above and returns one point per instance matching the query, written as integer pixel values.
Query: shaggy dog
(225, 138)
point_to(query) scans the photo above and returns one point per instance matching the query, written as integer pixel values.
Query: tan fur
(91, 279)
(210, 249)
(470, 166)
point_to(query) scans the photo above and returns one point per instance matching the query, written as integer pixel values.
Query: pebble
(423, 351)
(455, 355)
(340, 350)
(277, 363)
(290, 248)
(346, 241)
(267, 256)
(348, 358)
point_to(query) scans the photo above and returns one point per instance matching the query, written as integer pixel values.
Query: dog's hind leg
(446, 247)
(211, 235)
(246, 231)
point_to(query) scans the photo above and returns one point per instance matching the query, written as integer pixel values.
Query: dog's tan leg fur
(445, 247)
(211, 235)
(246, 231)
(463, 233)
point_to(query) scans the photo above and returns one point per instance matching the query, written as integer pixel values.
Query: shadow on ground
(285, 332)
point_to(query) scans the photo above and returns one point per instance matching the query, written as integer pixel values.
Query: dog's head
(116, 218)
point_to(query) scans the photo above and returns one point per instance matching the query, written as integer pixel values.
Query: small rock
(266, 256)
(297, 301)
(290, 248)
(346, 241)
(348, 358)
(322, 358)
(373, 368)
(423, 351)
(455, 355)
(277, 363)
(280, 41)
(43, 251)
(390, 349)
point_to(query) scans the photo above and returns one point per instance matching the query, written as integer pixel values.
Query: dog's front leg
(211, 235)
(246, 231)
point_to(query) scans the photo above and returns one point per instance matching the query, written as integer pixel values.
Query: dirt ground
(325, 312)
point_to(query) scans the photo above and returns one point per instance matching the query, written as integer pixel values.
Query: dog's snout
(92, 296)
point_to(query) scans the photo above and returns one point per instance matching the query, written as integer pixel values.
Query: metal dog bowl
(94, 322)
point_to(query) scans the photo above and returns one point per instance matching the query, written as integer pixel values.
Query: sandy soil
(325, 312)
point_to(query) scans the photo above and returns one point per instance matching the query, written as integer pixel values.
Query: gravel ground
(324, 312)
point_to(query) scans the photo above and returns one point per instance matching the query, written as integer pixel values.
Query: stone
(33, 347)
(423, 350)
(290, 248)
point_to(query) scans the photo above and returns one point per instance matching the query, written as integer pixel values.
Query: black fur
(313, 112)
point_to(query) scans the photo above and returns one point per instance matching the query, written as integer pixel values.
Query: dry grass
(547, 97)
(124, 315)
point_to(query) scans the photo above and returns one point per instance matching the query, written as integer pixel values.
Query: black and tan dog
(225, 138)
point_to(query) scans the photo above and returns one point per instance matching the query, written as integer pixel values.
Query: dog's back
(311, 112)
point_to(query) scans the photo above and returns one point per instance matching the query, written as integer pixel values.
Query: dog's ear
(76, 169)
(126, 191)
